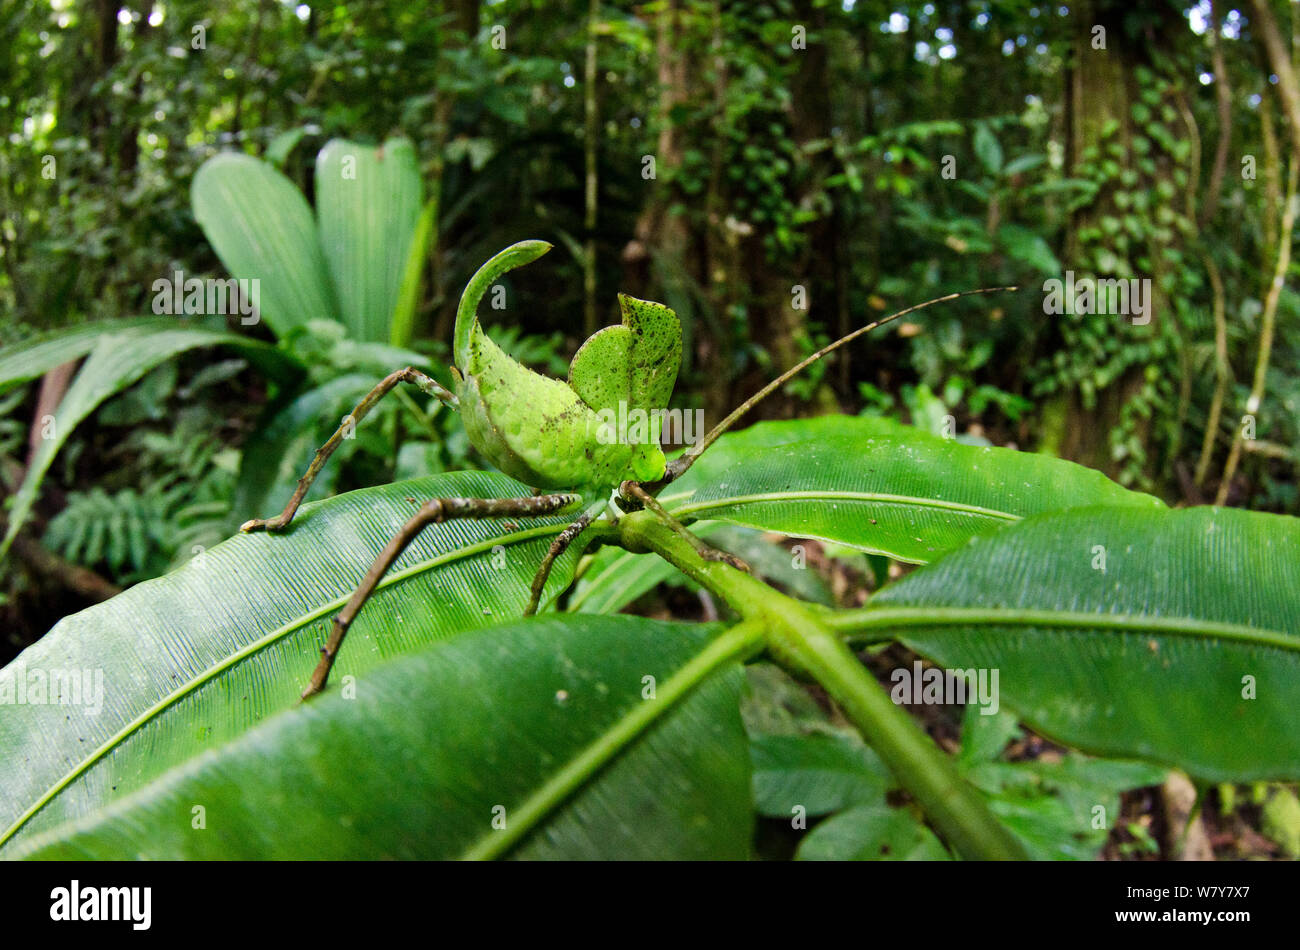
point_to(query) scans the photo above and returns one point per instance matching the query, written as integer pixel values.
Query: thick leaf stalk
(800, 640)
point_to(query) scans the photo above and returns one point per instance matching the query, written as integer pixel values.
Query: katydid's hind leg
(558, 547)
(386, 385)
(434, 511)
(633, 492)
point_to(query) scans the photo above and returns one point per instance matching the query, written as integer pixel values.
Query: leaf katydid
(550, 433)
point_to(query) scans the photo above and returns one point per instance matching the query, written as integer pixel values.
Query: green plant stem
(1266, 328)
(800, 639)
(1221, 370)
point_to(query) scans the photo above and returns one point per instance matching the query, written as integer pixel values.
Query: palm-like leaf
(1166, 635)
(536, 740)
(117, 360)
(879, 486)
(262, 229)
(368, 205)
(192, 660)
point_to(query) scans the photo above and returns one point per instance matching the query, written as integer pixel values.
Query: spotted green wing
(601, 371)
(656, 351)
(634, 363)
(627, 372)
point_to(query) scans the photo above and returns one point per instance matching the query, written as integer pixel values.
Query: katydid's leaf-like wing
(540, 430)
(536, 740)
(190, 661)
(627, 372)
(657, 353)
(1172, 636)
(634, 363)
(528, 425)
(601, 369)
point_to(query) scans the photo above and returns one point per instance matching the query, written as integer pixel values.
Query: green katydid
(551, 434)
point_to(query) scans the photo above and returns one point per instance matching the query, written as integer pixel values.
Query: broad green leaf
(34, 357)
(1280, 820)
(1059, 808)
(984, 735)
(259, 224)
(193, 659)
(519, 724)
(1054, 807)
(878, 486)
(1169, 636)
(408, 294)
(1029, 247)
(987, 148)
(616, 577)
(775, 704)
(872, 833)
(281, 147)
(368, 203)
(118, 360)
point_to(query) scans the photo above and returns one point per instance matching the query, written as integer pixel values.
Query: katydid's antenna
(678, 466)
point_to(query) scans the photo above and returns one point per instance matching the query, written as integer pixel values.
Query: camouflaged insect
(547, 433)
(553, 434)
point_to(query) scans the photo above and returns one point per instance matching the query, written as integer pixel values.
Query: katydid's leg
(558, 547)
(434, 511)
(632, 491)
(407, 375)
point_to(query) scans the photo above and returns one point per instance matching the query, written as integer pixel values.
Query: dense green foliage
(778, 173)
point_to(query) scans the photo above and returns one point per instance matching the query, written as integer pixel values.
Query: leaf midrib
(873, 618)
(248, 650)
(692, 512)
(848, 496)
(636, 719)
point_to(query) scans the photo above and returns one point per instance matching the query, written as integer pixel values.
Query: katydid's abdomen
(535, 428)
(553, 434)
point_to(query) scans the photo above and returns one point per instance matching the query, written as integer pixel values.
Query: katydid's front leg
(434, 511)
(558, 547)
(408, 375)
(636, 495)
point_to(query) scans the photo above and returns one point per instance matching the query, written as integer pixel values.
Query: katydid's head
(599, 428)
